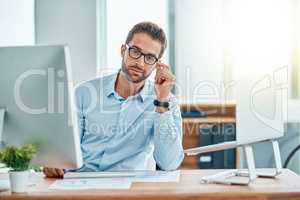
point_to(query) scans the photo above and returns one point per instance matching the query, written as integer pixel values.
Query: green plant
(36, 168)
(17, 158)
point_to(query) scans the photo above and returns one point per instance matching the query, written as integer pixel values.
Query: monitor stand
(2, 114)
(245, 177)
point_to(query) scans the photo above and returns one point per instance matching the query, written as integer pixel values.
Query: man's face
(137, 70)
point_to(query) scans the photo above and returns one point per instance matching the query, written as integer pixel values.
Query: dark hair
(153, 30)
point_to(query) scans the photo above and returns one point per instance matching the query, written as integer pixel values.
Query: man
(125, 119)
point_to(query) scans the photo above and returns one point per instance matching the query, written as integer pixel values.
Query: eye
(150, 58)
(135, 51)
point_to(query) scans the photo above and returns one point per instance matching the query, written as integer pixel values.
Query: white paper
(116, 182)
(90, 183)
(157, 176)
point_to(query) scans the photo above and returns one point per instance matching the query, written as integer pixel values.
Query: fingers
(159, 79)
(160, 65)
(160, 68)
(164, 76)
(53, 172)
(49, 172)
(60, 172)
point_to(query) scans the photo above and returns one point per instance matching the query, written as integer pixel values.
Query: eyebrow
(145, 53)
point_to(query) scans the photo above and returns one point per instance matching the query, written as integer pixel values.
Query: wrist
(161, 109)
(163, 98)
(161, 105)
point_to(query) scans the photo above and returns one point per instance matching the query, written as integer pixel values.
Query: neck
(125, 88)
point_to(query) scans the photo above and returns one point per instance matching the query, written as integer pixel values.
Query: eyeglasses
(136, 54)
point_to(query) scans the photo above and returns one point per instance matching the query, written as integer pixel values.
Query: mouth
(135, 71)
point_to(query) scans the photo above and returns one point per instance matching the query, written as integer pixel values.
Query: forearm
(168, 151)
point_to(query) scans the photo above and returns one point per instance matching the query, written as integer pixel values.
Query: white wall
(71, 22)
(121, 18)
(16, 22)
(199, 55)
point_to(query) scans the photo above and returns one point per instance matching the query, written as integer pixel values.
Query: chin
(136, 80)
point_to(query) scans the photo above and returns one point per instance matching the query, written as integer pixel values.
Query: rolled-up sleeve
(168, 151)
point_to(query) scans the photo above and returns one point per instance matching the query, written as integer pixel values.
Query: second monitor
(36, 103)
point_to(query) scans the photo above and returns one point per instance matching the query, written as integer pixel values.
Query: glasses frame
(141, 54)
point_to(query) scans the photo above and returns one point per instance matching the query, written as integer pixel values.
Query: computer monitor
(261, 108)
(261, 104)
(36, 97)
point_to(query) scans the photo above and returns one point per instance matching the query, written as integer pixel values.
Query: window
(16, 23)
(121, 16)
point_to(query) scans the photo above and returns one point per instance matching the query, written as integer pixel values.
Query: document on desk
(157, 176)
(116, 182)
(91, 183)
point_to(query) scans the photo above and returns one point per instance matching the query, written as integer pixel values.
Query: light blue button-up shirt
(123, 134)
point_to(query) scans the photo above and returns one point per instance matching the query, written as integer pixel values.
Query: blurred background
(208, 41)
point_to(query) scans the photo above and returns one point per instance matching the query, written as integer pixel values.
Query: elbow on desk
(170, 164)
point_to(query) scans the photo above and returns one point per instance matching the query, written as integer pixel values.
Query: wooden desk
(286, 186)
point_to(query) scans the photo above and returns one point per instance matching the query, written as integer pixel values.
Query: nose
(140, 61)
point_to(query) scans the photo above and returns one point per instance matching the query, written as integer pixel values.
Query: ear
(123, 49)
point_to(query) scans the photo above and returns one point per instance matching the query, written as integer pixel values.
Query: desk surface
(285, 186)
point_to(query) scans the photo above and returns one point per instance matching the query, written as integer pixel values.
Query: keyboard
(72, 175)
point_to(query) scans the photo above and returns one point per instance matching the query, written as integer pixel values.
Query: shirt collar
(110, 87)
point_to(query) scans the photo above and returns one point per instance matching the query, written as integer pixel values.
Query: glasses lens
(134, 53)
(149, 59)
